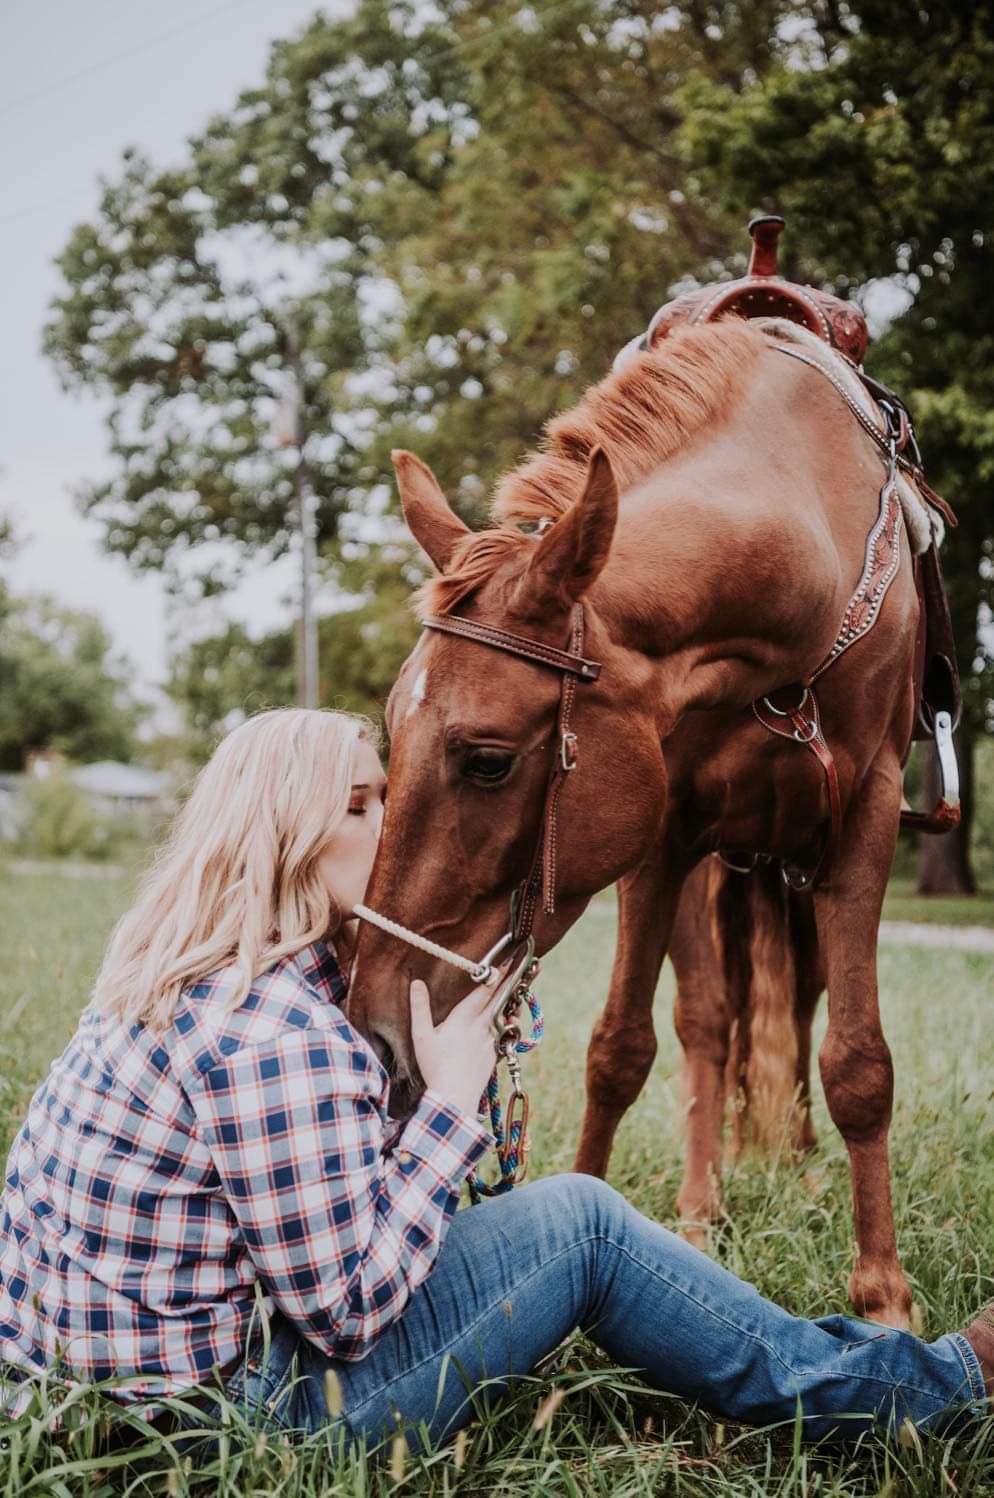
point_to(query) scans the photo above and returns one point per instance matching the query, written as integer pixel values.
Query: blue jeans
(518, 1273)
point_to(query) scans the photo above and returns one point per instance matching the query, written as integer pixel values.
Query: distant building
(114, 787)
(9, 787)
(113, 790)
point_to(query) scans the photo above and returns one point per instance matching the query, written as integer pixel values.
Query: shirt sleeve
(340, 1232)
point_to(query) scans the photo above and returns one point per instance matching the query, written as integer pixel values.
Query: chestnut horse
(747, 494)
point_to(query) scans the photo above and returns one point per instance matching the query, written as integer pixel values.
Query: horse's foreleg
(855, 1061)
(810, 987)
(706, 1004)
(623, 1042)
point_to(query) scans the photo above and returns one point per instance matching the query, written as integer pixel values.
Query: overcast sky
(79, 83)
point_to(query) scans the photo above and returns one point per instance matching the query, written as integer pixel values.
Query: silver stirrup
(946, 754)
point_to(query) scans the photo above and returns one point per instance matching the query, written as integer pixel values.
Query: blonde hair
(234, 883)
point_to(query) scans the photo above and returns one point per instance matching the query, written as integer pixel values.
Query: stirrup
(946, 812)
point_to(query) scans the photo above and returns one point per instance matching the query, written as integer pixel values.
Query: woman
(208, 1184)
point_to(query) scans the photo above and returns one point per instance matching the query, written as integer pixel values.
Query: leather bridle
(517, 946)
(573, 667)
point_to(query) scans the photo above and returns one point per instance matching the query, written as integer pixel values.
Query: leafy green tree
(230, 675)
(880, 151)
(442, 229)
(446, 227)
(60, 686)
(197, 291)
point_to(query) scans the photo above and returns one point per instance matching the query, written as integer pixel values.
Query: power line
(464, 45)
(108, 62)
(25, 100)
(60, 202)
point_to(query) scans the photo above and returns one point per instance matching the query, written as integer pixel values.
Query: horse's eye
(487, 766)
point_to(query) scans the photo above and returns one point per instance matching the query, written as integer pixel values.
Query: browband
(502, 639)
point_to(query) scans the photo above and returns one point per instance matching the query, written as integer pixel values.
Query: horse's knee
(858, 1076)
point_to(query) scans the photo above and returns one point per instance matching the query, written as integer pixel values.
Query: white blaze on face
(418, 691)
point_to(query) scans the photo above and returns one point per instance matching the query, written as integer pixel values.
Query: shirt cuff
(446, 1138)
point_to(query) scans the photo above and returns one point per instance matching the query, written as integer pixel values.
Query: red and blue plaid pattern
(159, 1177)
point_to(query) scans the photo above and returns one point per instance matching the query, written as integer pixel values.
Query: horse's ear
(570, 555)
(434, 524)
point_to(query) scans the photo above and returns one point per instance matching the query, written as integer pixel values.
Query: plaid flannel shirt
(159, 1178)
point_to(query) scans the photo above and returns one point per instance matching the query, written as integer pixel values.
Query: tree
(878, 144)
(193, 289)
(426, 255)
(471, 214)
(228, 676)
(60, 686)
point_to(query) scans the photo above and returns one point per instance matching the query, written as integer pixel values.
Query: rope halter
(510, 992)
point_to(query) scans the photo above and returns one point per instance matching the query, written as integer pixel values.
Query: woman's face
(345, 865)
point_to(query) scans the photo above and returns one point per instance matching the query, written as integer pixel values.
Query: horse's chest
(734, 785)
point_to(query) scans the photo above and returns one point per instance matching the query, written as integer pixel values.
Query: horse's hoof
(884, 1298)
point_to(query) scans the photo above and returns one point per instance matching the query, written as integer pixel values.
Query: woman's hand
(457, 1056)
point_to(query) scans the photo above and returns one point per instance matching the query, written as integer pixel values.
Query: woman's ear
(433, 523)
(571, 554)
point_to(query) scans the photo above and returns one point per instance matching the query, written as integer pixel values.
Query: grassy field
(902, 904)
(603, 1432)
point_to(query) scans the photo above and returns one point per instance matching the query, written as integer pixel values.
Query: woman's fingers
(478, 1006)
(422, 1024)
(485, 996)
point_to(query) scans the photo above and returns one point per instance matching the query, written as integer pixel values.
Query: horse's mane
(641, 414)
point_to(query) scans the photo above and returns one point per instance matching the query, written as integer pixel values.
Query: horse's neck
(724, 566)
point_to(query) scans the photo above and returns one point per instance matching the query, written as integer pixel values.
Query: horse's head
(474, 735)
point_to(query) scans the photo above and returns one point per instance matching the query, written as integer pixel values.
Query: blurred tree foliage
(227, 676)
(60, 686)
(448, 226)
(56, 820)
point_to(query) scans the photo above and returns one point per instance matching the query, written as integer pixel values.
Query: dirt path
(63, 869)
(922, 934)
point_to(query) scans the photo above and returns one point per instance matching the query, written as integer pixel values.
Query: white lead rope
(480, 972)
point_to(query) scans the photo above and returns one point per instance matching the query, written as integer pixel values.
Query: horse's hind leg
(623, 1043)
(855, 1061)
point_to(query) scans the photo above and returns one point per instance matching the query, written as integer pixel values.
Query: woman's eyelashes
(359, 805)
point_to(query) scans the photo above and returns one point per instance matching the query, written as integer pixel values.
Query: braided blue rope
(490, 1097)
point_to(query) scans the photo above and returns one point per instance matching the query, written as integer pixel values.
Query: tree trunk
(944, 860)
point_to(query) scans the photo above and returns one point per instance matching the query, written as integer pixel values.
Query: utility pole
(288, 429)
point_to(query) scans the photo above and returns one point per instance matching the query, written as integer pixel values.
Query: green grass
(789, 1231)
(903, 904)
